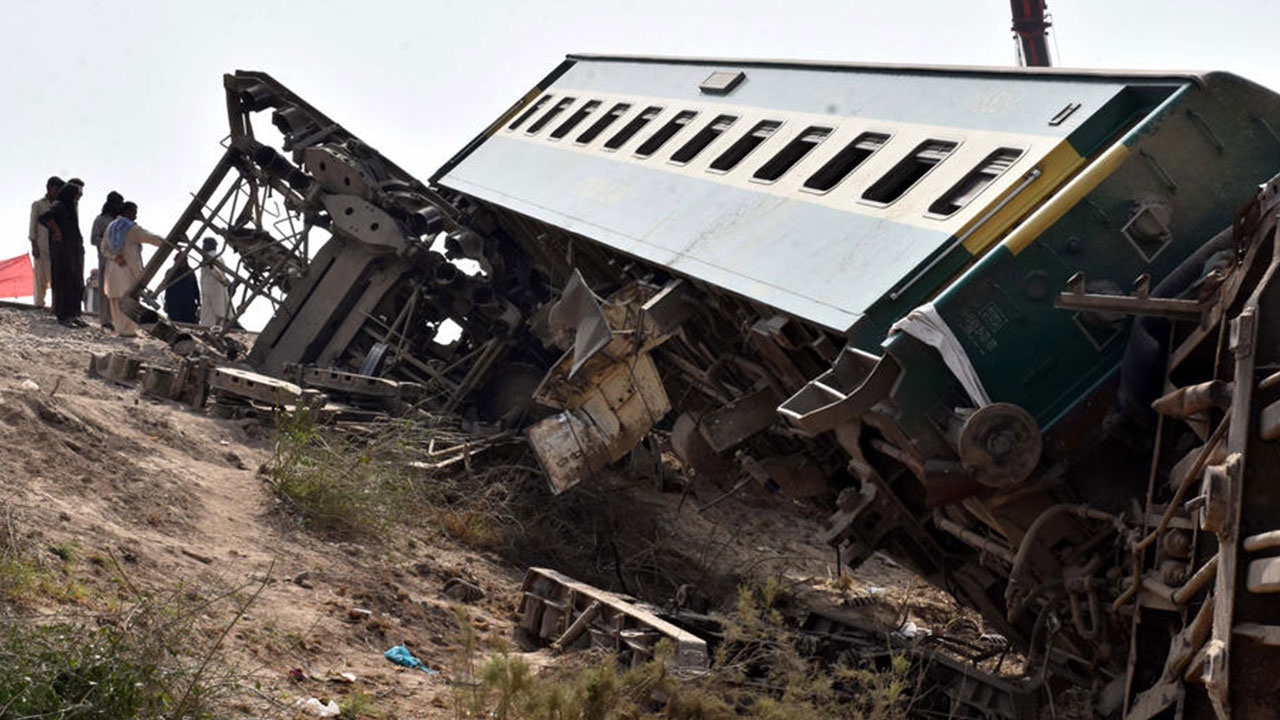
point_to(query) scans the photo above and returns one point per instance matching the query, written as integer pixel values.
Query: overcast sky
(128, 96)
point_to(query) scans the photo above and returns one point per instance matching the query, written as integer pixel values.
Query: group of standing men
(58, 249)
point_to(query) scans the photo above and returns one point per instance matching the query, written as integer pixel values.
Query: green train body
(900, 238)
(1091, 153)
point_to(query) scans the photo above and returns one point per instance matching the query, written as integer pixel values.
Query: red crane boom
(1031, 27)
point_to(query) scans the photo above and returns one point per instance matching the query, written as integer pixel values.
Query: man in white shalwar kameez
(38, 234)
(215, 298)
(122, 248)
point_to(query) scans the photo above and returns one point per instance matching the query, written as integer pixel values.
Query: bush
(158, 656)
(339, 487)
(345, 485)
(150, 665)
(71, 672)
(758, 673)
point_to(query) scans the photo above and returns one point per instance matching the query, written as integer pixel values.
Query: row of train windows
(887, 189)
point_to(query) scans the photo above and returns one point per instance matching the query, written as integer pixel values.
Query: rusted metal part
(1076, 298)
(1155, 701)
(1018, 590)
(1187, 401)
(795, 477)
(1268, 635)
(950, 686)
(558, 609)
(1205, 655)
(608, 386)
(728, 426)
(605, 421)
(855, 384)
(871, 517)
(693, 450)
(1263, 575)
(1224, 509)
(1197, 582)
(263, 388)
(1269, 423)
(1000, 444)
(361, 390)
(1262, 541)
(375, 298)
(986, 545)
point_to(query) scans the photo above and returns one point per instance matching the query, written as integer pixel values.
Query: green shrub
(339, 487)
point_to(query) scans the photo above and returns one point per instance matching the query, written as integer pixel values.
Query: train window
(665, 133)
(846, 161)
(705, 137)
(793, 153)
(551, 114)
(629, 130)
(603, 123)
(977, 180)
(575, 119)
(908, 171)
(730, 158)
(529, 113)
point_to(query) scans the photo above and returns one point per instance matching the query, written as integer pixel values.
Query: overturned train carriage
(1006, 327)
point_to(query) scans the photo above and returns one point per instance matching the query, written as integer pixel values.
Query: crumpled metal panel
(611, 392)
(579, 314)
(611, 416)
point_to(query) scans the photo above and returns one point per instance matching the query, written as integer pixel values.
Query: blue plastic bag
(400, 655)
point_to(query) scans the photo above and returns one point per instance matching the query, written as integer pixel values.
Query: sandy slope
(174, 497)
(153, 496)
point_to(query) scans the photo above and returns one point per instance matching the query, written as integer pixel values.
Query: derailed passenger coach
(1005, 326)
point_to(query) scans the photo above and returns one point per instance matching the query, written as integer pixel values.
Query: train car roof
(996, 71)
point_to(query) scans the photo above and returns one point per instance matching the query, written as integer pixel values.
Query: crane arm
(1031, 27)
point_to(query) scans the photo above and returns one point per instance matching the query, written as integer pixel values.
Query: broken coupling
(424, 221)
(275, 164)
(464, 243)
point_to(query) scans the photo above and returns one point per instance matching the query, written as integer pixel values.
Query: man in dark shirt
(66, 254)
(182, 292)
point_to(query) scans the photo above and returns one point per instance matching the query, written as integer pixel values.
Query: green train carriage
(926, 219)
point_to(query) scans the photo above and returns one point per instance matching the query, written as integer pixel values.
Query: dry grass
(145, 655)
(758, 673)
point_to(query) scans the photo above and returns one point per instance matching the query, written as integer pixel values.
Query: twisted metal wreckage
(560, 277)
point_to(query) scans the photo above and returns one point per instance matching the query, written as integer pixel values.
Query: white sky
(127, 95)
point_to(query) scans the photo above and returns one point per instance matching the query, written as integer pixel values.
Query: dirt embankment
(121, 495)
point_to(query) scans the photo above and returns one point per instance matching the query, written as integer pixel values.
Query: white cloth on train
(926, 325)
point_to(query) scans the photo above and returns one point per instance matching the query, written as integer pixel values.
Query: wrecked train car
(939, 303)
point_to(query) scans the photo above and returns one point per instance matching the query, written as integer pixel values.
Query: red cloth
(15, 277)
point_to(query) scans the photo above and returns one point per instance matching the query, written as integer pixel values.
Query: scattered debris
(315, 708)
(569, 614)
(197, 556)
(400, 655)
(463, 591)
